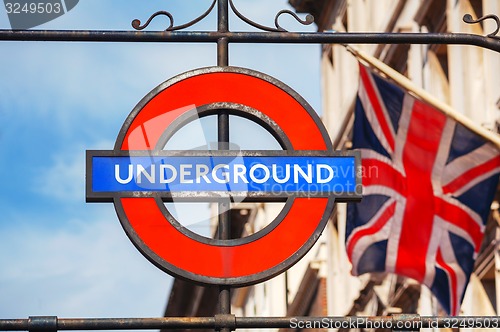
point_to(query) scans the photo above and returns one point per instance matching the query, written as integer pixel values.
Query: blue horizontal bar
(280, 175)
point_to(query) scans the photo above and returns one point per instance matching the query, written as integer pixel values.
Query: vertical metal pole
(222, 26)
(223, 142)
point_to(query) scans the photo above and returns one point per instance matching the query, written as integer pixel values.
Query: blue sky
(59, 255)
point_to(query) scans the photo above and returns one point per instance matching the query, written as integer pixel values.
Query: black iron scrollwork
(136, 24)
(309, 19)
(468, 19)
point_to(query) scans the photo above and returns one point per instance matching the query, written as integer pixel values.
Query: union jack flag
(428, 183)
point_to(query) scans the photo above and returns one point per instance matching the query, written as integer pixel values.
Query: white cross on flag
(428, 185)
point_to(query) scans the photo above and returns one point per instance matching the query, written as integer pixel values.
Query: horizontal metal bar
(252, 37)
(111, 323)
(137, 323)
(410, 322)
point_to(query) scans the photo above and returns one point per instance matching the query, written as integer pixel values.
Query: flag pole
(425, 96)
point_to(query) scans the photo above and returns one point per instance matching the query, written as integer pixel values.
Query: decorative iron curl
(309, 19)
(469, 20)
(136, 24)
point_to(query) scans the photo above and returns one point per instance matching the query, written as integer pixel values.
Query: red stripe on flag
(419, 154)
(452, 277)
(379, 173)
(384, 217)
(457, 216)
(471, 174)
(377, 108)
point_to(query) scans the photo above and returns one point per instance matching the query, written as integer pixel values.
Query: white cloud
(71, 82)
(64, 179)
(79, 263)
(87, 269)
(106, 80)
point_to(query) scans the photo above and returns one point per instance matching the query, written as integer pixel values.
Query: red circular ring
(167, 246)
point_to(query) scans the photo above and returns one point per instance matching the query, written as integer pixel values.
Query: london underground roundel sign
(138, 176)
